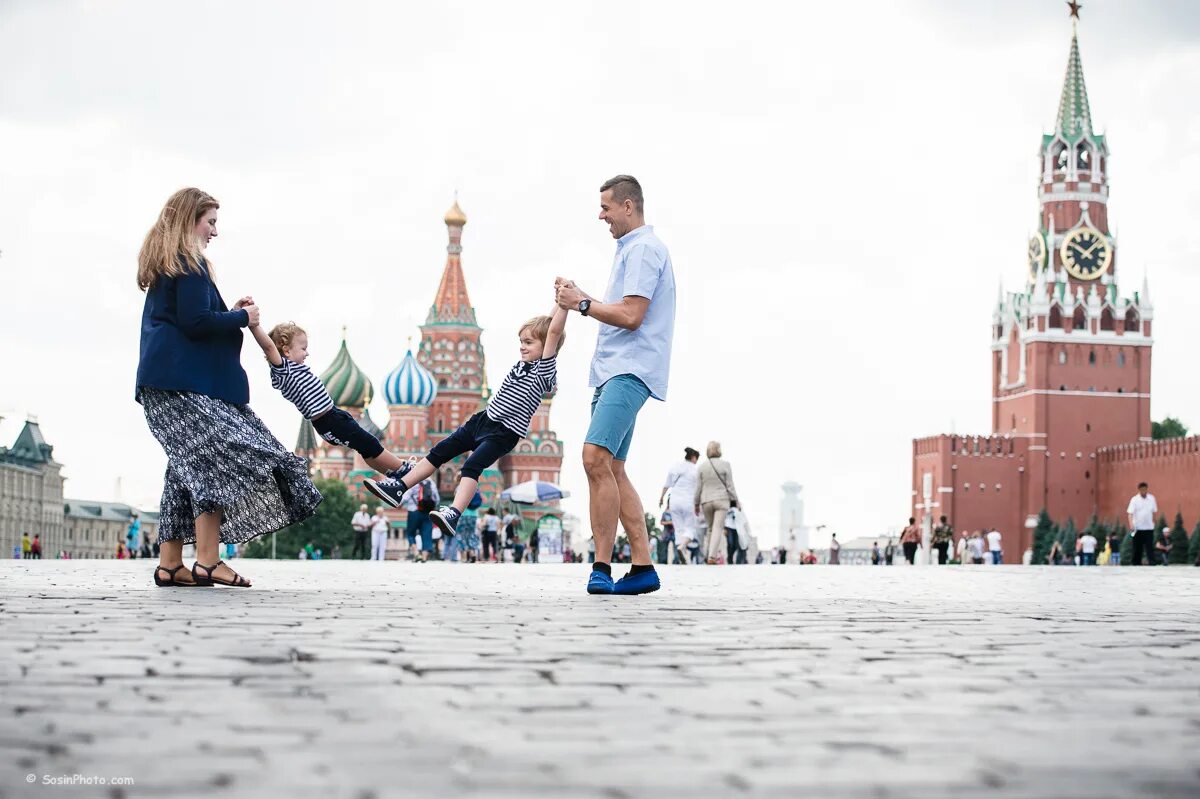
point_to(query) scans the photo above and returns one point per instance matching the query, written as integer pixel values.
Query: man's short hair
(690, 453)
(625, 187)
(1143, 485)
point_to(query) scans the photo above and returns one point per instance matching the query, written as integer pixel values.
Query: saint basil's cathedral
(429, 395)
(1070, 355)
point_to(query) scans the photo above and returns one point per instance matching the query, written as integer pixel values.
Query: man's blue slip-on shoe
(642, 583)
(600, 583)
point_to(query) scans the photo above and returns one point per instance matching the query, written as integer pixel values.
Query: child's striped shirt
(301, 387)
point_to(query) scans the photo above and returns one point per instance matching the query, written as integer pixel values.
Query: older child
(286, 348)
(493, 432)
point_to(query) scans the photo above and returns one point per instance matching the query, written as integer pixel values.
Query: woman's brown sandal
(238, 580)
(170, 581)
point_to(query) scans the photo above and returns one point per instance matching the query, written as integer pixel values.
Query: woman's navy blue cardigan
(191, 341)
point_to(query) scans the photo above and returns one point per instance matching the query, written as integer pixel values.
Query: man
(835, 551)
(417, 503)
(361, 522)
(889, 553)
(910, 539)
(678, 489)
(1141, 510)
(975, 547)
(943, 535)
(1087, 549)
(36, 547)
(26, 546)
(631, 363)
(993, 543)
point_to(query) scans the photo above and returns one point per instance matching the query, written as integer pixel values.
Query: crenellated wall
(1171, 467)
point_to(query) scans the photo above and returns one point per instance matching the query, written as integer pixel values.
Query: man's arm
(627, 314)
(268, 347)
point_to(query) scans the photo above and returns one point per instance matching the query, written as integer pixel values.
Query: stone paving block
(378, 680)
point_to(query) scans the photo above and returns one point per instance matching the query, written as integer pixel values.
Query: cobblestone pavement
(384, 679)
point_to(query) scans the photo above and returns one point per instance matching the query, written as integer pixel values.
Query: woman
(910, 539)
(228, 479)
(715, 495)
(379, 534)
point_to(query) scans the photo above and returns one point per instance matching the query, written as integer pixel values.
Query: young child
(493, 432)
(286, 348)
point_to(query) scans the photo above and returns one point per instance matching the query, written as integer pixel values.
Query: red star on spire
(1074, 6)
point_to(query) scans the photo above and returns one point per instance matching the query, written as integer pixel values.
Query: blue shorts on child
(486, 440)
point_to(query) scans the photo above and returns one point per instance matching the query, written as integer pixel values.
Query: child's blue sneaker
(643, 583)
(600, 583)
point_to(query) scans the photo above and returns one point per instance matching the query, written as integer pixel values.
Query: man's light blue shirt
(641, 268)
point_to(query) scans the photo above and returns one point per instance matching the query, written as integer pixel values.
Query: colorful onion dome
(410, 383)
(348, 385)
(455, 215)
(368, 424)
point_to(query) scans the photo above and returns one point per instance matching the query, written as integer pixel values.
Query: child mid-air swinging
(493, 432)
(286, 348)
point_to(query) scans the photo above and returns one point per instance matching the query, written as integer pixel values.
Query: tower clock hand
(1091, 249)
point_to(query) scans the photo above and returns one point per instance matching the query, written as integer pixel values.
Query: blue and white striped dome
(410, 384)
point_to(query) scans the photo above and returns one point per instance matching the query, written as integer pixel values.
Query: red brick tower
(1070, 357)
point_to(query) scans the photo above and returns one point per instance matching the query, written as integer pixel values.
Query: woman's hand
(251, 314)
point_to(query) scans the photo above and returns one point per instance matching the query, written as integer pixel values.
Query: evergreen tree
(1043, 538)
(329, 527)
(1066, 540)
(1194, 546)
(1179, 542)
(1126, 544)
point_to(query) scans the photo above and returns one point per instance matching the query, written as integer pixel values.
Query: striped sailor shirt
(301, 387)
(521, 393)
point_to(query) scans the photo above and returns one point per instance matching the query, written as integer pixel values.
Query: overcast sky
(842, 186)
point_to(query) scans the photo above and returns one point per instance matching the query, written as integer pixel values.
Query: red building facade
(1071, 359)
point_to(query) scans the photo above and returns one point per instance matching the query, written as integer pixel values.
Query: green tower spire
(1074, 114)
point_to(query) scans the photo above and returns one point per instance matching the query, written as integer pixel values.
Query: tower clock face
(1086, 253)
(1037, 253)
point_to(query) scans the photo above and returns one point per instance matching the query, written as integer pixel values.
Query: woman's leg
(208, 536)
(717, 531)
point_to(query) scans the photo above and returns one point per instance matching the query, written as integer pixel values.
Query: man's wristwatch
(583, 306)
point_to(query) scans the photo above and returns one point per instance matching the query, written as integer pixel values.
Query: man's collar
(633, 234)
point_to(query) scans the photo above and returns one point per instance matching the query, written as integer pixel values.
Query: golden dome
(455, 215)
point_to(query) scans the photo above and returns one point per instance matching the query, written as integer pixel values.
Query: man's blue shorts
(615, 407)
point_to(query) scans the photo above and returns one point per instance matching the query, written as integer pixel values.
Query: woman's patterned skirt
(221, 457)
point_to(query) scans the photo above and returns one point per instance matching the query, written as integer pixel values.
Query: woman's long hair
(171, 246)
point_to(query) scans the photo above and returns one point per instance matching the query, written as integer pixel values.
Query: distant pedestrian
(994, 547)
(1087, 549)
(943, 536)
(361, 524)
(876, 555)
(975, 547)
(963, 549)
(731, 536)
(715, 495)
(491, 535)
(889, 553)
(835, 550)
(910, 539)
(26, 546)
(1114, 549)
(1142, 508)
(534, 546)
(35, 547)
(379, 534)
(679, 491)
(1163, 547)
(133, 535)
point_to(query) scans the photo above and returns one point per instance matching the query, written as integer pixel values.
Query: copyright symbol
(30, 778)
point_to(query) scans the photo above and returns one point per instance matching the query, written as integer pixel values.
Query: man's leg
(633, 519)
(604, 500)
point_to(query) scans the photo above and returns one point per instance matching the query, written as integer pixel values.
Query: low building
(31, 493)
(94, 529)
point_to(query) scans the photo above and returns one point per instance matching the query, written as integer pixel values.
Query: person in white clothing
(993, 543)
(1142, 508)
(361, 522)
(1087, 549)
(678, 490)
(379, 534)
